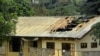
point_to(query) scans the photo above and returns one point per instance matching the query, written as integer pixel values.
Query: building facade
(49, 36)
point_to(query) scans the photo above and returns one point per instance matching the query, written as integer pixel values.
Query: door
(66, 47)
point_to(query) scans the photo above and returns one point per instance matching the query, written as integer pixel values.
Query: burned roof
(53, 26)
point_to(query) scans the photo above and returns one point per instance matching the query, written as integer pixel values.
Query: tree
(96, 31)
(9, 11)
(24, 7)
(91, 7)
(57, 7)
(7, 20)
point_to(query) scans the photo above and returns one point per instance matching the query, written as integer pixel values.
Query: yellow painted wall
(58, 45)
(25, 49)
(10, 53)
(87, 39)
(41, 44)
(6, 49)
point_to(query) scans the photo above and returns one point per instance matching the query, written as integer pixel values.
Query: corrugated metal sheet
(41, 26)
(31, 26)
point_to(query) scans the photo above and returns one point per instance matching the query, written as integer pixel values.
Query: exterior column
(26, 48)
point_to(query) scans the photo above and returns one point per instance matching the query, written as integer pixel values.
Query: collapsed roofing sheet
(41, 27)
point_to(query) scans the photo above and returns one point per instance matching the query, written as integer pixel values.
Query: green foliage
(24, 7)
(57, 7)
(67, 7)
(96, 31)
(92, 7)
(9, 11)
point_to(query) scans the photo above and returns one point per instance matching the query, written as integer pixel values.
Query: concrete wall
(86, 39)
(58, 45)
(25, 47)
(41, 44)
(5, 50)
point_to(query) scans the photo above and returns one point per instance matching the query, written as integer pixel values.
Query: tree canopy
(66, 7)
(57, 7)
(9, 11)
(96, 31)
(91, 7)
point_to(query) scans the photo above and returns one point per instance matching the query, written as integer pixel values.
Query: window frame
(34, 44)
(13, 43)
(50, 45)
(94, 45)
(83, 45)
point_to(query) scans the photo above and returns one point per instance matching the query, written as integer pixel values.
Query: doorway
(66, 49)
